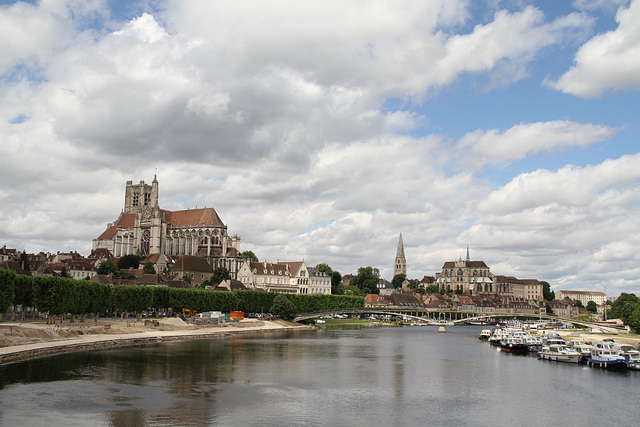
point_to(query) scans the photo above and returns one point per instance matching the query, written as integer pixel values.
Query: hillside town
(150, 246)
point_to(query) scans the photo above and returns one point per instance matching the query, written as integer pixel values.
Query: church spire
(400, 265)
(468, 259)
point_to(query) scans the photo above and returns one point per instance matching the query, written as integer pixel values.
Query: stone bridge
(442, 317)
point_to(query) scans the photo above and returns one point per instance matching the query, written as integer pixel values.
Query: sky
(321, 130)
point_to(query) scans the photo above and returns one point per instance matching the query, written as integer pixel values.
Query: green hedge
(59, 295)
(7, 289)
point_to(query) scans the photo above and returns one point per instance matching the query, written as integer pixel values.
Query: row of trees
(627, 308)
(59, 295)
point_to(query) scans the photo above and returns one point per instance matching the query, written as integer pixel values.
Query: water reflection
(385, 376)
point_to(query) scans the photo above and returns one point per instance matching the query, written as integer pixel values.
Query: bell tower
(400, 265)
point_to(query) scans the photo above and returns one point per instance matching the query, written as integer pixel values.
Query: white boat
(603, 356)
(553, 339)
(485, 334)
(559, 353)
(630, 354)
(498, 335)
(582, 347)
(533, 343)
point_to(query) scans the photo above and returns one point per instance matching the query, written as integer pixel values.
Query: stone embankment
(20, 341)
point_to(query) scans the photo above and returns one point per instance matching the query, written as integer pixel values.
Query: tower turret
(400, 265)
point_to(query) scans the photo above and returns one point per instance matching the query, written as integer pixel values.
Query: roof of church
(400, 250)
(467, 263)
(193, 217)
(125, 221)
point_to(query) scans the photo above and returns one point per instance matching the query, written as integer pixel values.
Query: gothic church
(144, 229)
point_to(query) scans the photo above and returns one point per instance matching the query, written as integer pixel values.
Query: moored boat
(604, 357)
(485, 334)
(513, 345)
(534, 343)
(559, 353)
(497, 336)
(581, 347)
(630, 354)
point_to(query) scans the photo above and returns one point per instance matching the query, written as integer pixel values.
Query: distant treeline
(60, 295)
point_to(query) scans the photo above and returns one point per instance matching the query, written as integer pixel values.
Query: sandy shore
(19, 341)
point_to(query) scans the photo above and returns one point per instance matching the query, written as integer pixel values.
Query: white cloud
(495, 147)
(595, 5)
(609, 61)
(276, 114)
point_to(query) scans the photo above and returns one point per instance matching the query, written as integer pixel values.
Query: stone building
(466, 276)
(286, 277)
(475, 278)
(143, 228)
(584, 297)
(400, 264)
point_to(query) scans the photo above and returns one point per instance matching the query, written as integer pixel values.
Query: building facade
(584, 297)
(475, 278)
(466, 276)
(144, 229)
(285, 277)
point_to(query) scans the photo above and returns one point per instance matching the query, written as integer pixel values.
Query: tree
(148, 268)
(431, 289)
(106, 267)
(367, 280)
(547, 293)
(24, 261)
(7, 289)
(619, 304)
(413, 284)
(398, 279)
(592, 307)
(24, 293)
(129, 261)
(324, 268)
(579, 304)
(283, 308)
(63, 272)
(337, 288)
(250, 256)
(634, 319)
(353, 290)
(220, 274)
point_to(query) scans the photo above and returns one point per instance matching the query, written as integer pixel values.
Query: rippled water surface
(366, 377)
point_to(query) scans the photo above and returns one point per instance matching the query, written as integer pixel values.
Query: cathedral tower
(400, 265)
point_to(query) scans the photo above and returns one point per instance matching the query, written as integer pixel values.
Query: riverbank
(21, 341)
(622, 338)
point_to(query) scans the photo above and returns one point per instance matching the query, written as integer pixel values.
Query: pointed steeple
(468, 259)
(400, 265)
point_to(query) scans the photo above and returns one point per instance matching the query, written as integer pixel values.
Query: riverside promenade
(20, 341)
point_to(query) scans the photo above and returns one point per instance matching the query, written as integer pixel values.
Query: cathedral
(144, 229)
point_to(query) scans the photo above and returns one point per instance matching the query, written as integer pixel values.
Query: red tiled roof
(125, 221)
(192, 263)
(267, 267)
(193, 217)
(108, 233)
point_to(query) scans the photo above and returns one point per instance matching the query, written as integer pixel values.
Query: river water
(405, 376)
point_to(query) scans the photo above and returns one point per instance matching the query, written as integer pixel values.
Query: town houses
(185, 248)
